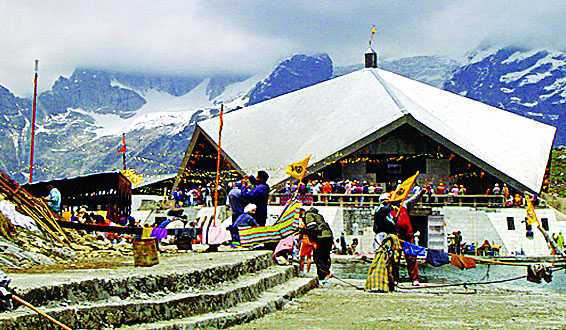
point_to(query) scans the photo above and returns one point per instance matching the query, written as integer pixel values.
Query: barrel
(145, 252)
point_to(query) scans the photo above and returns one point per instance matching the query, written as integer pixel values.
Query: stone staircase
(216, 296)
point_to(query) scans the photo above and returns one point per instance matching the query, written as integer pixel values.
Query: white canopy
(333, 115)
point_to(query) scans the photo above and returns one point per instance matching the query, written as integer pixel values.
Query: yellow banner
(530, 208)
(298, 170)
(404, 189)
(135, 178)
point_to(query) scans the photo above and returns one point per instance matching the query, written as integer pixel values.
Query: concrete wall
(356, 219)
(491, 224)
(516, 240)
(476, 225)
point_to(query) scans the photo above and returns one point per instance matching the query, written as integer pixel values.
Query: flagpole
(296, 193)
(547, 237)
(124, 151)
(33, 116)
(550, 240)
(221, 124)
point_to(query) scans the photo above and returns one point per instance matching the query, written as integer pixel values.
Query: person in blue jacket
(258, 195)
(246, 219)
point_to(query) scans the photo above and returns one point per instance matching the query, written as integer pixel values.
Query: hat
(82, 210)
(384, 197)
(249, 208)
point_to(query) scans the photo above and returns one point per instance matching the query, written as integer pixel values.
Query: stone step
(154, 307)
(129, 283)
(269, 301)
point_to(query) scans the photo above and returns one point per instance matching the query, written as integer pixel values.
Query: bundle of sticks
(33, 207)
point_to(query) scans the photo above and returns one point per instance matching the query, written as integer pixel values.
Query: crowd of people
(314, 191)
(355, 187)
(248, 200)
(196, 195)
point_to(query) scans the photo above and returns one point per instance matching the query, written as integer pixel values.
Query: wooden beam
(199, 132)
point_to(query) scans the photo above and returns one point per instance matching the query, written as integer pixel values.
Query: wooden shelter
(107, 191)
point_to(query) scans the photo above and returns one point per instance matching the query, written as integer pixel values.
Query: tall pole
(220, 125)
(33, 111)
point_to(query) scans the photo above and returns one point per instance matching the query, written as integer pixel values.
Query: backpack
(316, 227)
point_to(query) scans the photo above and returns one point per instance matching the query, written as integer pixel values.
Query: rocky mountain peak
(291, 74)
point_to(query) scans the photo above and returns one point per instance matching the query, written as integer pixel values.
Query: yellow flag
(298, 170)
(135, 178)
(373, 29)
(530, 208)
(403, 189)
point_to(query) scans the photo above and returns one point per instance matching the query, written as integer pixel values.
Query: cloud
(176, 37)
(465, 24)
(195, 37)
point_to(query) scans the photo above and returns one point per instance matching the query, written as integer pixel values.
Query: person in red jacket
(405, 231)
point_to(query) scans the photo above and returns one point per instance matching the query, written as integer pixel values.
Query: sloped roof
(333, 115)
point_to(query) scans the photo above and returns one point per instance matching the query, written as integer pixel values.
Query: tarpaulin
(413, 250)
(437, 258)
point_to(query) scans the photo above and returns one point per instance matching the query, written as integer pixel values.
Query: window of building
(544, 223)
(510, 223)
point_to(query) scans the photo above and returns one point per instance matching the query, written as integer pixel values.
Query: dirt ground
(342, 307)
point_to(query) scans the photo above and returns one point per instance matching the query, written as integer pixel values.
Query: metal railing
(370, 200)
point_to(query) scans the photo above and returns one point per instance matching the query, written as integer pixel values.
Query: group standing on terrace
(345, 191)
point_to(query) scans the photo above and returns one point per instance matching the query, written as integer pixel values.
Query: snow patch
(161, 110)
(479, 55)
(518, 56)
(535, 77)
(116, 83)
(530, 104)
(558, 84)
(240, 89)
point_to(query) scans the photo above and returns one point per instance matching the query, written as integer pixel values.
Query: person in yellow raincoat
(383, 273)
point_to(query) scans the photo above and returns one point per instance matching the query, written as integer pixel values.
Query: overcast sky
(192, 37)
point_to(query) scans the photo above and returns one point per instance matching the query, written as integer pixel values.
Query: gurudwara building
(378, 126)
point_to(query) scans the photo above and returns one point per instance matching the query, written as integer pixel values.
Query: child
(306, 250)
(352, 248)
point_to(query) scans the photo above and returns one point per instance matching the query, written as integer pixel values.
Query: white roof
(332, 115)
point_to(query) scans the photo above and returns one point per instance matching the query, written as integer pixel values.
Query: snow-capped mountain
(81, 118)
(433, 70)
(294, 73)
(13, 127)
(531, 83)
